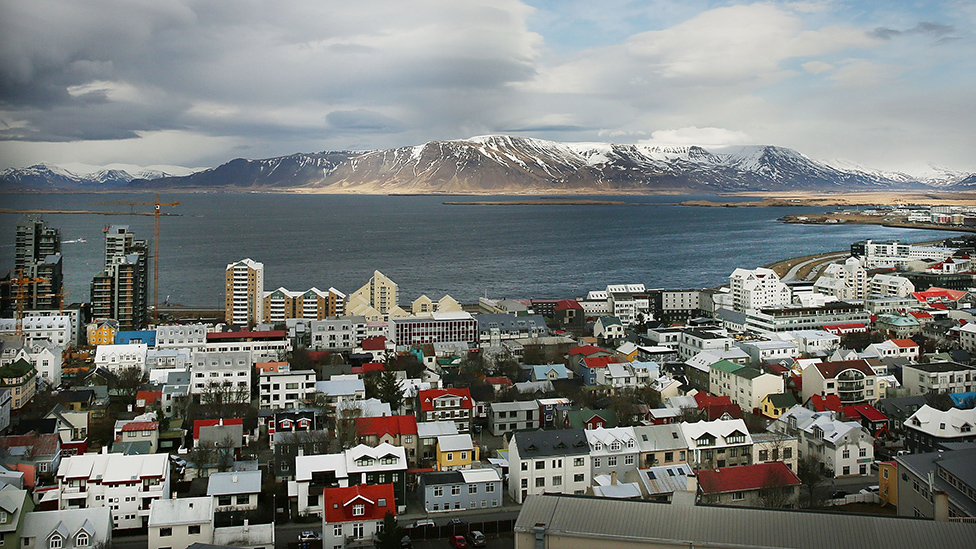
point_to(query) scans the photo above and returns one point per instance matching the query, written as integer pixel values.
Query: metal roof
(649, 522)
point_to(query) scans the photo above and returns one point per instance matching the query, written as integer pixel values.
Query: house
(593, 369)
(505, 417)
(446, 405)
(427, 434)
(34, 455)
(768, 447)
(547, 410)
(395, 430)
(746, 386)
(854, 381)
(354, 514)
(457, 490)
(717, 444)
(15, 505)
(456, 452)
(180, 522)
(696, 340)
(585, 418)
(290, 421)
(569, 315)
(20, 378)
(290, 445)
(929, 427)
(68, 529)
(549, 372)
(609, 328)
(286, 390)
(384, 464)
(660, 483)
(756, 485)
(541, 462)
(843, 447)
(761, 351)
(612, 451)
(774, 405)
(234, 490)
(661, 445)
(140, 431)
(127, 485)
(717, 407)
(117, 358)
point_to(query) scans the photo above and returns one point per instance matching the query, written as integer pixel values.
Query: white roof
(341, 386)
(430, 429)
(114, 467)
(306, 465)
(514, 406)
(941, 424)
(376, 454)
(485, 474)
(605, 437)
(454, 443)
(231, 483)
(720, 429)
(165, 512)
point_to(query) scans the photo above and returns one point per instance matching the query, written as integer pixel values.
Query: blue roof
(963, 400)
(136, 336)
(541, 372)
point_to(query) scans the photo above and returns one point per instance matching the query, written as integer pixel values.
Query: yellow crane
(21, 282)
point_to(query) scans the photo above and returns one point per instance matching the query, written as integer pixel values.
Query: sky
(887, 85)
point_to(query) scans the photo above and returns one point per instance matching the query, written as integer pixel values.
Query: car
(477, 539)
(458, 542)
(837, 494)
(177, 460)
(423, 523)
(873, 489)
(309, 535)
(457, 521)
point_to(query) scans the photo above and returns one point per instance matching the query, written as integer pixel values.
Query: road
(791, 274)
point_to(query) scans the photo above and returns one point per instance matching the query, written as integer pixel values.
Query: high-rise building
(244, 293)
(121, 290)
(377, 298)
(37, 254)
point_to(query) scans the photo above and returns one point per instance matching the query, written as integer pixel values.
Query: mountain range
(500, 164)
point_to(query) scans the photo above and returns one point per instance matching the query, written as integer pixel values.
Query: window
(525, 483)
(540, 482)
(846, 454)
(847, 470)
(82, 539)
(525, 466)
(472, 488)
(455, 490)
(313, 500)
(787, 453)
(450, 456)
(884, 473)
(861, 452)
(738, 496)
(628, 460)
(336, 530)
(612, 461)
(193, 529)
(489, 488)
(557, 480)
(668, 457)
(357, 530)
(438, 491)
(578, 462)
(578, 478)
(358, 510)
(596, 462)
(163, 533)
(540, 465)
(764, 455)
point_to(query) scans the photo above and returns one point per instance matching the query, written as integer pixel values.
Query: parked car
(874, 489)
(423, 523)
(837, 494)
(458, 542)
(477, 539)
(309, 535)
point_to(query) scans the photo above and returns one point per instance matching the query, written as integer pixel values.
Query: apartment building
(128, 484)
(695, 340)
(338, 333)
(261, 346)
(438, 328)
(446, 405)
(281, 304)
(937, 483)
(717, 444)
(853, 381)
(182, 522)
(243, 293)
(896, 254)
(181, 336)
(505, 417)
(117, 358)
(546, 462)
(757, 289)
(286, 390)
(20, 378)
(745, 385)
(384, 464)
(940, 377)
(225, 375)
(121, 290)
(376, 299)
(661, 445)
(798, 317)
(929, 428)
(613, 450)
(844, 281)
(882, 285)
(495, 328)
(37, 255)
(844, 447)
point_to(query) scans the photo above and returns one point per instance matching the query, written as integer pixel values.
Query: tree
(129, 380)
(509, 367)
(345, 424)
(389, 391)
(390, 534)
(811, 473)
(774, 494)
(406, 362)
(939, 401)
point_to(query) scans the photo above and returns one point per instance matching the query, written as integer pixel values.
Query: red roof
(716, 406)
(375, 343)
(866, 411)
(149, 396)
(369, 367)
(704, 399)
(920, 314)
(599, 361)
(212, 422)
(746, 477)
(587, 350)
(905, 343)
(140, 426)
(564, 304)
(500, 380)
(387, 425)
(822, 404)
(776, 368)
(340, 502)
(267, 334)
(838, 328)
(427, 398)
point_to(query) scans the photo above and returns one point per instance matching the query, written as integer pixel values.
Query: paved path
(791, 274)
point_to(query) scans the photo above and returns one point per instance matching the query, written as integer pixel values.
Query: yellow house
(888, 483)
(455, 452)
(21, 378)
(776, 404)
(102, 332)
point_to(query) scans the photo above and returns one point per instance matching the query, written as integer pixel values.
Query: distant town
(828, 402)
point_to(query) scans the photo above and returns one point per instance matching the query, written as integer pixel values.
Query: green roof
(16, 369)
(727, 366)
(781, 400)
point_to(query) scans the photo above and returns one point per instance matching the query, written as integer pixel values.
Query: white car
(309, 535)
(871, 489)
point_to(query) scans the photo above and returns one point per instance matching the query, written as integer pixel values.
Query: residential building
(608, 328)
(495, 328)
(140, 431)
(427, 434)
(223, 375)
(128, 485)
(883, 285)
(338, 333)
(68, 528)
(37, 254)
(180, 522)
(845, 281)
(376, 300)
(541, 462)
(612, 451)
(746, 386)
(20, 378)
(446, 405)
(456, 452)
(939, 377)
(234, 491)
(853, 381)
(395, 430)
(929, 427)
(815, 342)
(118, 358)
(243, 293)
(767, 447)
(460, 490)
(695, 340)
(384, 464)
(757, 289)
(290, 421)
(789, 318)
(769, 484)
(843, 447)
(51, 329)
(286, 390)
(764, 351)
(678, 305)
(181, 336)
(262, 346)
(121, 290)
(313, 304)
(928, 481)
(37, 456)
(44, 356)
(717, 444)
(354, 514)
(774, 405)
(341, 389)
(547, 410)
(505, 417)
(15, 505)
(661, 445)
(888, 483)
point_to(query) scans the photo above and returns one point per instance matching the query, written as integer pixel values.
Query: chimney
(613, 478)
(234, 478)
(941, 506)
(540, 535)
(692, 483)
(246, 525)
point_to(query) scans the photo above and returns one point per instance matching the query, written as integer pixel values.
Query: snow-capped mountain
(507, 164)
(49, 177)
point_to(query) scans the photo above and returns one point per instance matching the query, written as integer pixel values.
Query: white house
(180, 522)
(285, 390)
(758, 289)
(181, 336)
(221, 372)
(761, 351)
(613, 450)
(384, 464)
(126, 484)
(844, 447)
(67, 529)
(546, 462)
(717, 444)
(116, 358)
(234, 490)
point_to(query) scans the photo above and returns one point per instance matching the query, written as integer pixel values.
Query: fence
(488, 528)
(853, 498)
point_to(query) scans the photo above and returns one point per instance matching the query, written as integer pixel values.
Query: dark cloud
(363, 119)
(925, 28)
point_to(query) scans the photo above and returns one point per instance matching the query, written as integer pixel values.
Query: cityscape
(320, 418)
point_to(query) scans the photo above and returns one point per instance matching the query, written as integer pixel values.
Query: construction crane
(156, 212)
(21, 282)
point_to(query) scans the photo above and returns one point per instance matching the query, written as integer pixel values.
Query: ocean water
(431, 248)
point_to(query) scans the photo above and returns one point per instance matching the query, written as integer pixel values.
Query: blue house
(136, 336)
(549, 372)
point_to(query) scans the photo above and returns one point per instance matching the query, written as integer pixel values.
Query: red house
(355, 513)
(446, 405)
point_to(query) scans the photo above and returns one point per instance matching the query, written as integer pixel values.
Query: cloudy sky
(889, 85)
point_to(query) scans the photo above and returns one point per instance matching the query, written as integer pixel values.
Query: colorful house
(353, 515)
(456, 452)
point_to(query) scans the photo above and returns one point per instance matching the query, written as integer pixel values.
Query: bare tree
(811, 472)
(774, 493)
(345, 424)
